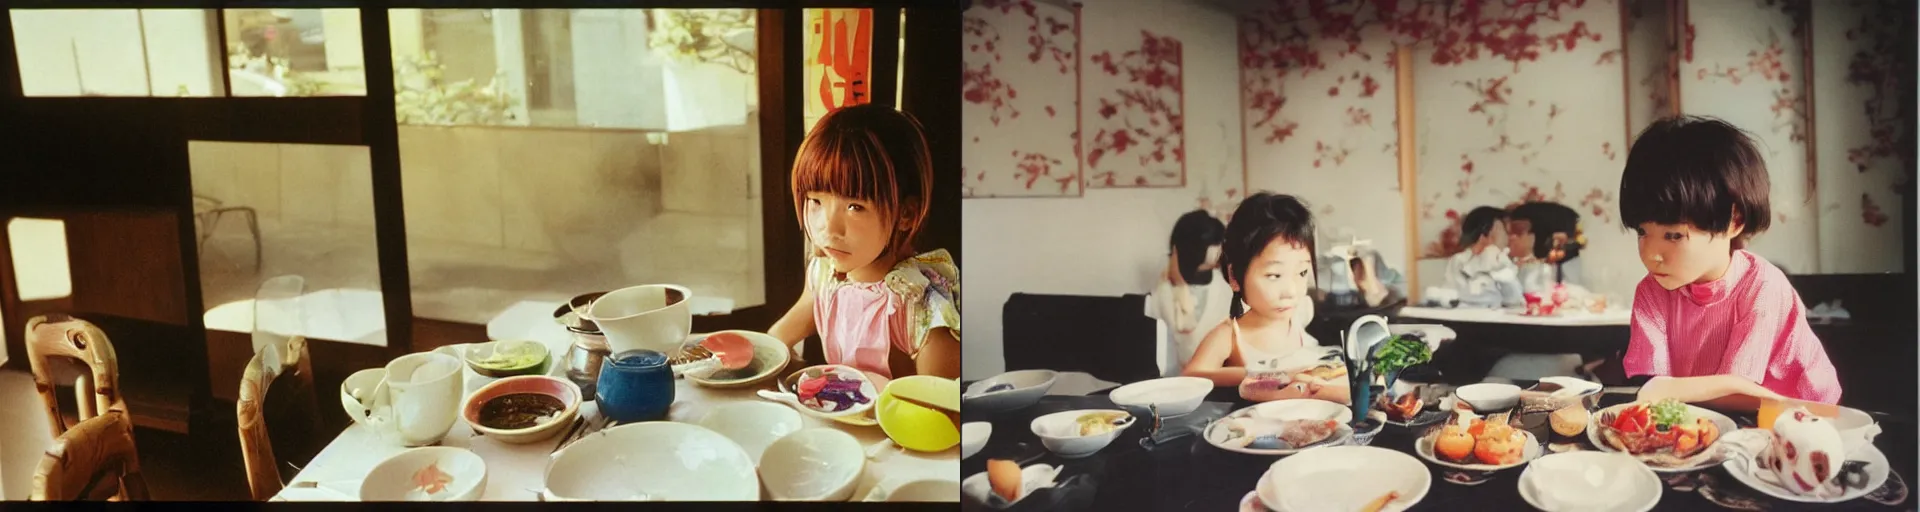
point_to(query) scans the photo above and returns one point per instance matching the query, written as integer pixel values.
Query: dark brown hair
(1699, 171)
(871, 153)
(1261, 219)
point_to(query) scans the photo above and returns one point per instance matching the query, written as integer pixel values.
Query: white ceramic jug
(417, 397)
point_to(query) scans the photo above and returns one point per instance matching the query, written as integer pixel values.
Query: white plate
(1727, 426)
(1303, 409)
(1345, 478)
(1171, 396)
(1743, 468)
(1638, 490)
(1473, 474)
(1217, 434)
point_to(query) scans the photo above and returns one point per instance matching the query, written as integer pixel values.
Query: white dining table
(1612, 316)
(517, 472)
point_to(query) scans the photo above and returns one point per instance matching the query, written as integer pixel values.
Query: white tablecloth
(1616, 316)
(518, 472)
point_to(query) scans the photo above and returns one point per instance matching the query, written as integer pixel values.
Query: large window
(549, 153)
(116, 52)
(295, 52)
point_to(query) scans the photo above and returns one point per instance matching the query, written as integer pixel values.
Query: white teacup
(1806, 453)
(416, 397)
(654, 317)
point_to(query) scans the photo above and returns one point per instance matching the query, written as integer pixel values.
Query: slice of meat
(1297, 433)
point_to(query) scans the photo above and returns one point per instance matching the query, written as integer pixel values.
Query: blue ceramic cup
(635, 386)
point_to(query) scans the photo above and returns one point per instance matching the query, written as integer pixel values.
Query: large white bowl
(1857, 430)
(1171, 396)
(1588, 480)
(1058, 432)
(1344, 478)
(1028, 387)
(919, 491)
(752, 425)
(1304, 409)
(653, 461)
(973, 437)
(393, 479)
(816, 464)
(1489, 397)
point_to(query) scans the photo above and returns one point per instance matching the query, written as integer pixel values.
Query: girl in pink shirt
(860, 187)
(1711, 321)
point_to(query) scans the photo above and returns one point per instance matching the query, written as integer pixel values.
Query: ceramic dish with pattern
(1245, 431)
(769, 358)
(1693, 446)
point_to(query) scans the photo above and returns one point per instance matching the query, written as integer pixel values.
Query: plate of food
(1668, 436)
(1795, 460)
(1245, 432)
(1470, 450)
(1412, 407)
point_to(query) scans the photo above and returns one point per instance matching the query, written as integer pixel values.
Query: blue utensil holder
(635, 386)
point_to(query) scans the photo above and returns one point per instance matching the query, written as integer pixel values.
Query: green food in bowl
(506, 359)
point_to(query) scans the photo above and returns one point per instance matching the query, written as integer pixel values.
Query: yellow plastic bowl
(915, 427)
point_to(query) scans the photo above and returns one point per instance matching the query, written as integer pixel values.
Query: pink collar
(1712, 292)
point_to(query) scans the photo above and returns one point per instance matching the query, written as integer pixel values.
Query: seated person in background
(1191, 297)
(1482, 273)
(1268, 260)
(1546, 237)
(1711, 321)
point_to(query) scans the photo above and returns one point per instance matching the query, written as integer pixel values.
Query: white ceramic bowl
(1588, 480)
(1028, 387)
(1059, 433)
(973, 437)
(1172, 396)
(653, 461)
(1304, 409)
(1344, 478)
(919, 491)
(1857, 429)
(565, 390)
(462, 476)
(1487, 397)
(753, 425)
(1474, 473)
(816, 464)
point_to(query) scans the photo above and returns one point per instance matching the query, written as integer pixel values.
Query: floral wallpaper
(1858, 121)
(1136, 117)
(1745, 62)
(1318, 118)
(1018, 55)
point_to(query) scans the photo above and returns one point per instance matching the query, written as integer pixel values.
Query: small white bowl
(652, 461)
(816, 464)
(1171, 396)
(754, 425)
(463, 473)
(1488, 397)
(973, 437)
(1059, 432)
(1344, 478)
(1587, 480)
(1032, 478)
(1028, 387)
(1304, 409)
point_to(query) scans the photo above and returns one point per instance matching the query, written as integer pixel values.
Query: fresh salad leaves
(1399, 353)
(1669, 413)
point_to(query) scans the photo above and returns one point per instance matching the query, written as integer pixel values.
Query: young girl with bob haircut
(860, 184)
(1712, 322)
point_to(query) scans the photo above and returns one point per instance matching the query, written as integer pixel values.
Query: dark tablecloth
(1186, 473)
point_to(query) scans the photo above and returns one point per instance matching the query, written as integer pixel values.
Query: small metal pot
(589, 350)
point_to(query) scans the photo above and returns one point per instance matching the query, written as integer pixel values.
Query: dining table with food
(637, 408)
(1555, 444)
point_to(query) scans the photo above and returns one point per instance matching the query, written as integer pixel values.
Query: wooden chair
(256, 448)
(57, 336)
(94, 459)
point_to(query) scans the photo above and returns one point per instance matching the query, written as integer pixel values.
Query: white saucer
(1742, 468)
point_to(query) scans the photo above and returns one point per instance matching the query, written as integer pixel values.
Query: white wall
(75, 52)
(1111, 241)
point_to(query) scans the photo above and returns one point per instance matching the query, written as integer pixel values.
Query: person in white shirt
(1191, 297)
(1483, 273)
(1546, 242)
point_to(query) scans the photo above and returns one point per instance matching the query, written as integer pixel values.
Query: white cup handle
(366, 409)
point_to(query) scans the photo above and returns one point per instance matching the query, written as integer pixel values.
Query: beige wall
(63, 52)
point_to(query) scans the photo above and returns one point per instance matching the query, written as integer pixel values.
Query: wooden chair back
(97, 390)
(94, 456)
(289, 361)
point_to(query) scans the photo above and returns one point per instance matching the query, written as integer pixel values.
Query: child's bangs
(848, 163)
(1694, 171)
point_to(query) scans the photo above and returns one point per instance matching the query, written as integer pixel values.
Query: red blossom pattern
(1052, 45)
(1357, 116)
(1606, 148)
(1596, 203)
(1328, 152)
(1142, 119)
(1286, 37)
(1449, 242)
(1876, 64)
(1870, 212)
(1789, 105)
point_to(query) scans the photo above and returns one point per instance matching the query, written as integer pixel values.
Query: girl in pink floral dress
(860, 187)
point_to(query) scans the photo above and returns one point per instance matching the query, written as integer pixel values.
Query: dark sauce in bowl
(519, 410)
